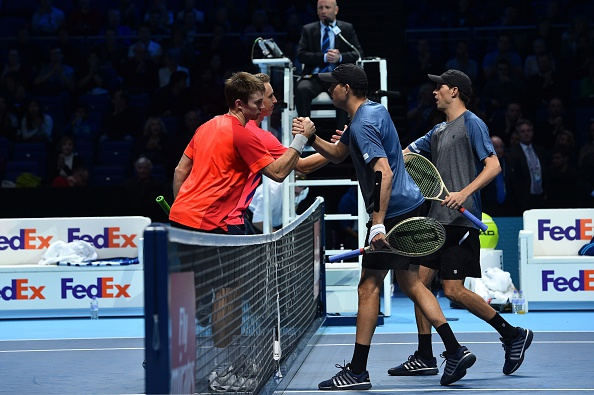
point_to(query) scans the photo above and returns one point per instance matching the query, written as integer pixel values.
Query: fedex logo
(104, 288)
(584, 281)
(110, 238)
(20, 290)
(581, 231)
(27, 239)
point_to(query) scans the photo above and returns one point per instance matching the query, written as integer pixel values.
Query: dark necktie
(326, 46)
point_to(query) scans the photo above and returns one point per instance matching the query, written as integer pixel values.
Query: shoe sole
(419, 372)
(364, 386)
(466, 362)
(529, 336)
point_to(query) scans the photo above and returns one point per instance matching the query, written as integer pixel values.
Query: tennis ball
(490, 237)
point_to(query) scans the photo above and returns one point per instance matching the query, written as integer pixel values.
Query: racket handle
(346, 255)
(474, 219)
(164, 205)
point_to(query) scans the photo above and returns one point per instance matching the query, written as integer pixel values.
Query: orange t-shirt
(276, 149)
(223, 153)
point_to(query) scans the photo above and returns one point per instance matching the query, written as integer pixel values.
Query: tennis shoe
(228, 381)
(415, 366)
(346, 380)
(515, 350)
(456, 365)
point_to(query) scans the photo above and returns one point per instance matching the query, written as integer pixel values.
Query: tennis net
(223, 312)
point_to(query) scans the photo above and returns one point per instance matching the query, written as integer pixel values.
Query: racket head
(416, 236)
(425, 175)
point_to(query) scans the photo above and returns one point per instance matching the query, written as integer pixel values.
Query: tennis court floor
(80, 356)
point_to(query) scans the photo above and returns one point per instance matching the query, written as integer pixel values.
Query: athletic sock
(425, 347)
(504, 328)
(359, 361)
(448, 338)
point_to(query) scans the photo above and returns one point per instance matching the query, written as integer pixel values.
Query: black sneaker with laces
(456, 365)
(415, 366)
(346, 380)
(515, 350)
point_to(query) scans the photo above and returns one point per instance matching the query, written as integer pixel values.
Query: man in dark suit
(527, 163)
(321, 49)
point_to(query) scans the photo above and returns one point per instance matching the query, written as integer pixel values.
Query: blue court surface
(81, 356)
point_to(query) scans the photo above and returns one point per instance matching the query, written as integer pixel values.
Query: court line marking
(73, 349)
(431, 390)
(70, 338)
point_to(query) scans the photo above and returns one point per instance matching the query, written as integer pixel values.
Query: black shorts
(460, 256)
(388, 261)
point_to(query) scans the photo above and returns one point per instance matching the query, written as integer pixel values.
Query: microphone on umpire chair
(337, 32)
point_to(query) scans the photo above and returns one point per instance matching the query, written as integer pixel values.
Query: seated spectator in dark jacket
(174, 99)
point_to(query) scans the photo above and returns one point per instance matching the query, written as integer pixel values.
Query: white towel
(74, 252)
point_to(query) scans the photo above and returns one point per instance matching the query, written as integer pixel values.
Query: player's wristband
(311, 140)
(376, 230)
(298, 143)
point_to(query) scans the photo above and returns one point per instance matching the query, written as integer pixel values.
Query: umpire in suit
(527, 163)
(321, 49)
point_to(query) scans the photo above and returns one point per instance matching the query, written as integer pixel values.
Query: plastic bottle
(521, 303)
(94, 308)
(515, 302)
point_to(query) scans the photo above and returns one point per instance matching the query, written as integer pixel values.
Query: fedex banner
(24, 241)
(559, 232)
(60, 289)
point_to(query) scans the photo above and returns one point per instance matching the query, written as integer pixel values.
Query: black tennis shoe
(515, 350)
(415, 366)
(456, 365)
(346, 380)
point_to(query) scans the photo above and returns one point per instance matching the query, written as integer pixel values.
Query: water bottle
(515, 302)
(521, 303)
(94, 308)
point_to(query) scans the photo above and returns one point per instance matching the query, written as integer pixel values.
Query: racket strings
(417, 236)
(424, 175)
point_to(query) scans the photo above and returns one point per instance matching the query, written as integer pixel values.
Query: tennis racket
(414, 237)
(163, 203)
(429, 181)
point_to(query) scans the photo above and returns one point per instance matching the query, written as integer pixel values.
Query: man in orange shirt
(207, 185)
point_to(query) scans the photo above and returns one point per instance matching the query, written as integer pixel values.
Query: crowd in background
(79, 76)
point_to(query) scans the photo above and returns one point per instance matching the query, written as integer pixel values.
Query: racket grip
(474, 219)
(346, 255)
(164, 205)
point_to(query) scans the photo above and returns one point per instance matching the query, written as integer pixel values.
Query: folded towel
(75, 252)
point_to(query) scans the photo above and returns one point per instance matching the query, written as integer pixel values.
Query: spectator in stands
(496, 198)
(420, 112)
(111, 51)
(157, 20)
(140, 73)
(588, 147)
(142, 189)
(96, 78)
(189, 26)
(423, 61)
(187, 52)
(258, 26)
(174, 99)
(123, 122)
(504, 51)
(207, 94)
(547, 83)
(317, 56)
(84, 20)
(165, 14)
(502, 89)
(66, 159)
(9, 123)
(78, 179)
(576, 65)
(539, 47)
(152, 47)
(15, 64)
(563, 185)
(47, 19)
(565, 140)
(80, 127)
(462, 61)
(504, 125)
(114, 21)
(31, 53)
(56, 76)
(527, 163)
(190, 5)
(556, 120)
(546, 32)
(171, 62)
(579, 26)
(36, 125)
(150, 144)
(74, 52)
(15, 93)
(130, 15)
